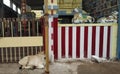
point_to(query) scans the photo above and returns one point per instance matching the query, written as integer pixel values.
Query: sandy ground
(56, 68)
(67, 67)
(101, 68)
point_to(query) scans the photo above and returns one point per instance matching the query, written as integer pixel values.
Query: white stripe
(105, 42)
(11, 54)
(50, 33)
(74, 43)
(6, 54)
(51, 28)
(2, 54)
(59, 43)
(97, 41)
(51, 6)
(89, 42)
(82, 43)
(66, 42)
(110, 53)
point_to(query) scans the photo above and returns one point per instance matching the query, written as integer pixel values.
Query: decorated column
(53, 27)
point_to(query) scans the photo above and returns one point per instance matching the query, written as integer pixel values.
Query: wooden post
(46, 43)
(46, 35)
(46, 6)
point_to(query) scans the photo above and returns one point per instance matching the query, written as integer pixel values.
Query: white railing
(83, 40)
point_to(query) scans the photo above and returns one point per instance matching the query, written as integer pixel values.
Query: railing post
(118, 43)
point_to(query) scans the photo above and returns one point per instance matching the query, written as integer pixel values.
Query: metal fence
(14, 54)
(13, 27)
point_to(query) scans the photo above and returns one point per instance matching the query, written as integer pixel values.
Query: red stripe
(70, 41)
(101, 41)
(52, 24)
(78, 42)
(52, 47)
(108, 42)
(56, 38)
(93, 39)
(63, 41)
(85, 42)
(52, 36)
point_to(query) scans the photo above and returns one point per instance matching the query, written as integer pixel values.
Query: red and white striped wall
(83, 42)
(76, 41)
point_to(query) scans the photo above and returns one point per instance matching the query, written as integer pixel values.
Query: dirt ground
(76, 67)
(99, 68)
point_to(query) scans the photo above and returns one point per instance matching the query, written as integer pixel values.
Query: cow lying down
(33, 61)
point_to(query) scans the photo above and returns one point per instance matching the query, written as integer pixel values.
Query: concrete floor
(76, 67)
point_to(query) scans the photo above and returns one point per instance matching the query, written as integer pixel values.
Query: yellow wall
(21, 41)
(114, 40)
(69, 5)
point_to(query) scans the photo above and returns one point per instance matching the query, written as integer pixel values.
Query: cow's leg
(41, 66)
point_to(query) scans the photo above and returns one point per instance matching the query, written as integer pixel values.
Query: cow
(33, 61)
